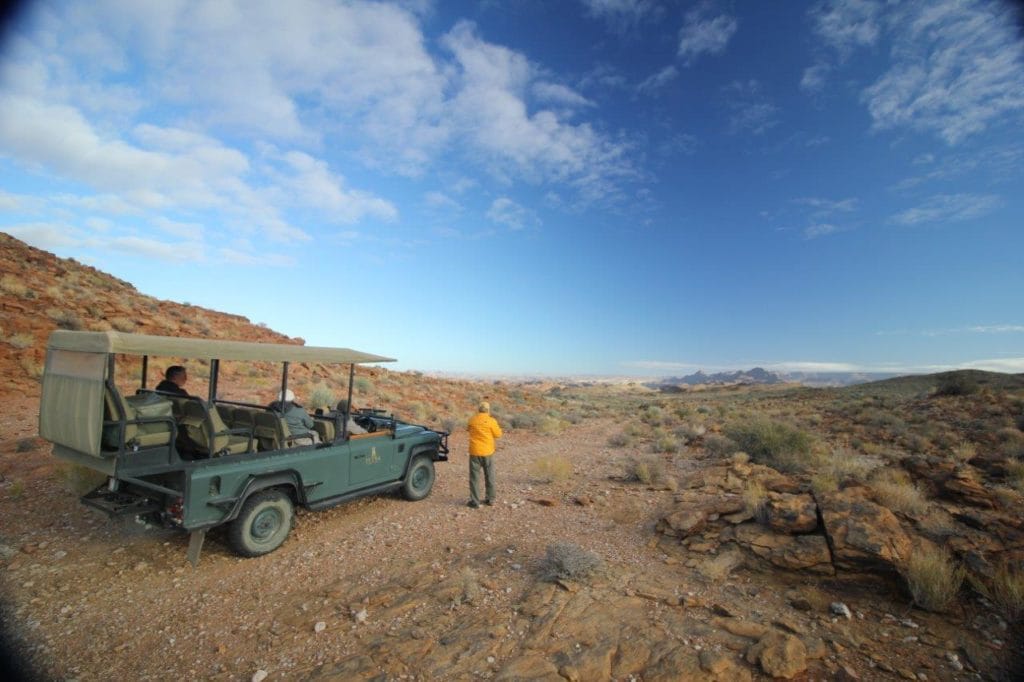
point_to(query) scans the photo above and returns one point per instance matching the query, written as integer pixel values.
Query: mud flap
(195, 546)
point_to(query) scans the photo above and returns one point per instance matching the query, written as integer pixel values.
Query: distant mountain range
(759, 375)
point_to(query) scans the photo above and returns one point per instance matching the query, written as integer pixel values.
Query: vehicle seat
(209, 434)
(273, 433)
(324, 427)
(135, 434)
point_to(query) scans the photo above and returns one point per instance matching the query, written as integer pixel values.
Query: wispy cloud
(704, 32)
(750, 109)
(620, 13)
(847, 24)
(949, 208)
(814, 77)
(821, 229)
(506, 212)
(973, 329)
(657, 81)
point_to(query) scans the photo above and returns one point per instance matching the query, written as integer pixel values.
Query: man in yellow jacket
(483, 429)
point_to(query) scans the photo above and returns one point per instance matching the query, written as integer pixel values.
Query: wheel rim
(420, 477)
(265, 525)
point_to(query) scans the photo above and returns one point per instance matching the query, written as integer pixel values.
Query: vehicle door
(370, 461)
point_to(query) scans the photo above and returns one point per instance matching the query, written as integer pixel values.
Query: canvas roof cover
(146, 344)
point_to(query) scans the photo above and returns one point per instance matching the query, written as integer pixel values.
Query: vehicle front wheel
(263, 524)
(420, 479)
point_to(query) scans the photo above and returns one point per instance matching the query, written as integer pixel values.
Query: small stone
(837, 608)
(259, 676)
(360, 616)
(954, 661)
(320, 626)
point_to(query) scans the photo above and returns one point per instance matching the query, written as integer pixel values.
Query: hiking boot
(472, 505)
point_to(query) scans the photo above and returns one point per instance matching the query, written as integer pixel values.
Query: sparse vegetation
(647, 470)
(551, 468)
(933, 578)
(568, 562)
(956, 383)
(322, 397)
(774, 443)
(900, 496)
(1004, 588)
(21, 340)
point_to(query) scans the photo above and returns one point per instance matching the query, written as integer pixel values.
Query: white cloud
(491, 111)
(311, 183)
(978, 329)
(152, 248)
(828, 206)
(957, 69)
(440, 200)
(1007, 365)
(657, 81)
(704, 34)
(750, 110)
(949, 208)
(620, 12)
(660, 365)
(820, 230)
(238, 257)
(507, 212)
(847, 24)
(814, 77)
(557, 94)
(46, 236)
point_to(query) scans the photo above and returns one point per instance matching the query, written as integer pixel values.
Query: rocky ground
(388, 589)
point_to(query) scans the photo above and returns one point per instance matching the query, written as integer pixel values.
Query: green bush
(322, 397)
(773, 443)
(956, 383)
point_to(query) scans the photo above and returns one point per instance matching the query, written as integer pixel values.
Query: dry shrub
(666, 443)
(66, 319)
(1005, 589)
(755, 500)
(123, 324)
(21, 340)
(773, 443)
(719, 446)
(566, 561)
(647, 470)
(899, 495)
(824, 481)
(549, 425)
(620, 440)
(1015, 474)
(845, 465)
(933, 577)
(551, 468)
(1011, 442)
(964, 451)
(13, 285)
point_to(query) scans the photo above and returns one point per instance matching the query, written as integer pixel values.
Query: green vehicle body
(155, 473)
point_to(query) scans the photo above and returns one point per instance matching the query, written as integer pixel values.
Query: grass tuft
(933, 577)
(773, 443)
(551, 468)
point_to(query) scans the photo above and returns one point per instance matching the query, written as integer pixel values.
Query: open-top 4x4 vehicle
(193, 463)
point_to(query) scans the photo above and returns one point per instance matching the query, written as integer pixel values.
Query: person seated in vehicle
(351, 426)
(174, 380)
(300, 423)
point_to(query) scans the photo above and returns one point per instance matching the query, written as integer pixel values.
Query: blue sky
(618, 187)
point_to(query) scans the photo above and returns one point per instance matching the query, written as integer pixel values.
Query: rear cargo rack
(119, 503)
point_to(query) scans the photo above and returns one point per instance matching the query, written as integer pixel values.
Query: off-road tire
(262, 525)
(419, 480)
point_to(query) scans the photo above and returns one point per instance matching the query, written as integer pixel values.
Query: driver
(350, 425)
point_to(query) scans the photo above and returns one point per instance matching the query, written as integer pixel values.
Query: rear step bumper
(119, 503)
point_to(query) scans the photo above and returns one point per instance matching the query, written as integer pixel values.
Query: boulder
(961, 486)
(682, 523)
(792, 552)
(791, 514)
(779, 655)
(864, 536)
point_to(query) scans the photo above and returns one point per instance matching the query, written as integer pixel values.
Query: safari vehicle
(192, 463)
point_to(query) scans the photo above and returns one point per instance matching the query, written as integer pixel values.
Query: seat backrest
(195, 425)
(219, 436)
(111, 434)
(271, 430)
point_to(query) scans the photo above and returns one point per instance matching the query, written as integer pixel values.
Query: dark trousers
(475, 465)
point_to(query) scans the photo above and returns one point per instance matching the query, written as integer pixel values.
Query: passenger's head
(176, 374)
(484, 406)
(343, 405)
(287, 397)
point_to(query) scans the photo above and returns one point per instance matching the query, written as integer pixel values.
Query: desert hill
(739, 532)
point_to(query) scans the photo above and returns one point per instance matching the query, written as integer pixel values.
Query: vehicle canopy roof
(147, 344)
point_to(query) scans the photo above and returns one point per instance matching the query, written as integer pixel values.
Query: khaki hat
(484, 406)
(289, 397)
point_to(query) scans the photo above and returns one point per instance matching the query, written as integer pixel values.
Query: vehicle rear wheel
(420, 479)
(263, 524)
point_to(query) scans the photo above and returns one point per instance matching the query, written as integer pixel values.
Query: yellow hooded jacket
(483, 429)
